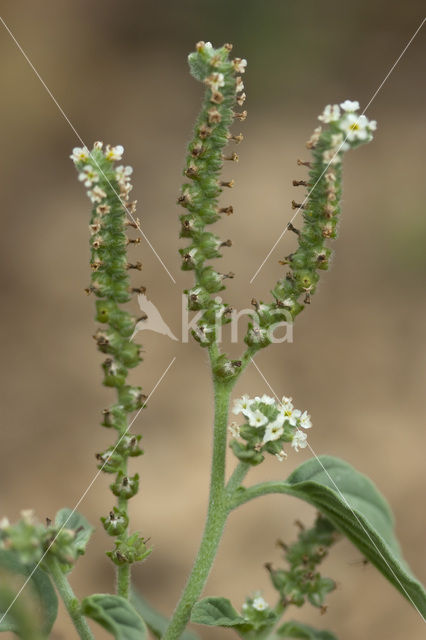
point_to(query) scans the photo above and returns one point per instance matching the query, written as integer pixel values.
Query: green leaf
(46, 601)
(294, 629)
(353, 504)
(219, 612)
(155, 621)
(116, 615)
(216, 612)
(70, 519)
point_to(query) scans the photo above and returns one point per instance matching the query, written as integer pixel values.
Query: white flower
(331, 157)
(337, 142)
(215, 81)
(331, 113)
(257, 419)
(239, 85)
(281, 455)
(260, 604)
(305, 420)
(355, 127)
(96, 194)
(234, 430)
(287, 403)
(27, 516)
(372, 125)
(79, 154)
(239, 64)
(114, 153)
(242, 405)
(350, 105)
(4, 523)
(265, 399)
(208, 45)
(314, 138)
(290, 414)
(299, 440)
(98, 145)
(275, 429)
(88, 176)
(123, 174)
(288, 302)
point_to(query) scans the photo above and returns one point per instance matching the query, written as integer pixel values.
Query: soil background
(358, 360)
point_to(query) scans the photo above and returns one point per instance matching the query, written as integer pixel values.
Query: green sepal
(124, 486)
(83, 530)
(130, 550)
(116, 523)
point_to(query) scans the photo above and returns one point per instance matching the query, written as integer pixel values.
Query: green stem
(237, 477)
(216, 516)
(123, 571)
(70, 601)
(261, 489)
(123, 581)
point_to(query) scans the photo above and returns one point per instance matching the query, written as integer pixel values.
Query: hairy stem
(70, 601)
(216, 516)
(261, 489)
(237, 477)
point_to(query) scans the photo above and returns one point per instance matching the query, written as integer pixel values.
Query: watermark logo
(152, 320)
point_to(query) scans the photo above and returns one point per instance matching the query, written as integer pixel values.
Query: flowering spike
(199, 197)
(342, 129)
(112, 216)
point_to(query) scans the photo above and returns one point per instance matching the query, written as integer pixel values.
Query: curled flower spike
(110, 283)
(200, 196)
(301, 581)
(343, 129)
(269, 425)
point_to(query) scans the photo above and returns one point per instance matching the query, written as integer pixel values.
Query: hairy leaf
(294, 629)
(46, 601)
(356, 508)
(155, 621)
(116, 615)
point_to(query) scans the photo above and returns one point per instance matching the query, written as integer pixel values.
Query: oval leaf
(216, 612)
(46, 599)
(154, 620)
(116, 615)
(294, 629)
(354, 505)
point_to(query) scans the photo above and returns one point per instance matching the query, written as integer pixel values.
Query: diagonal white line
(64, 115)
(348, 505)
(80, 500)
(337, 151)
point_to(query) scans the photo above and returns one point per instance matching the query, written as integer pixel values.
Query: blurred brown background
(358, 361)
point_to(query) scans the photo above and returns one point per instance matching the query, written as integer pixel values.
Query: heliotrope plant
(347, 502)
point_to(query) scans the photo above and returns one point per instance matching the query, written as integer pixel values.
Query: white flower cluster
(348, 129)
(276, 419)
(92, 168)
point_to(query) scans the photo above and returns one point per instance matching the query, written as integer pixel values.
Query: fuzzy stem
(70, 601)
(124, 571)
(216, 516)
(123, 581)
(237, 477)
